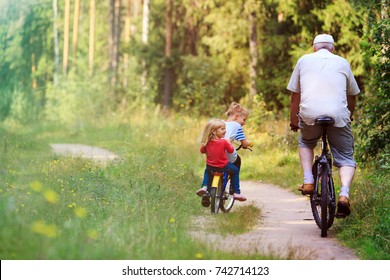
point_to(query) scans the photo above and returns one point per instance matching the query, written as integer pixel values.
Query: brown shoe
(343, 207)
(306, 189)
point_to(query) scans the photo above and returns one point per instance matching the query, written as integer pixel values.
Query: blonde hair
(210, 129)
(236, 108)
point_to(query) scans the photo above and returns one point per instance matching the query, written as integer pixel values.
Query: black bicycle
(322, 200)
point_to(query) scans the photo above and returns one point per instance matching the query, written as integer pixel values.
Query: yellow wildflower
(199, 255)
(44, 229)
(92, 234)
(51, 196)
(80, 212)
(36, 186)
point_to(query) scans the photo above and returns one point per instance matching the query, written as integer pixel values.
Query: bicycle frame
(219, 198)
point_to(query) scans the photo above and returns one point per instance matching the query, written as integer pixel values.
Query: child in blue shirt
(237, 116)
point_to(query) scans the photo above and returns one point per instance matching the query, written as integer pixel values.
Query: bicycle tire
(315, 197)
(215, 195)
(324, 200)
(227, 200)
(332, 201)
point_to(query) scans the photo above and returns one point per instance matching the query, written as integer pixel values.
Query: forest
(65, 61)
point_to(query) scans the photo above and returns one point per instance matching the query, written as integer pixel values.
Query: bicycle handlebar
(248, 148)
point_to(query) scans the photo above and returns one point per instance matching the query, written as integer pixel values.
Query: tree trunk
(127, 41)
(145, 22)
(117, 32)
(145, 33)
(56, 44)
(254, 57)
(33, 71)
(92, 8)
(66, 37)
(75, 30)
(168, 75)
(384, 16)
(111, 39)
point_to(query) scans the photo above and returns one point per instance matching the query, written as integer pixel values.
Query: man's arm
(351, 100)
(295, 99)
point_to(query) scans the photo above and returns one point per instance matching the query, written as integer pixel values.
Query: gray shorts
(340, 141)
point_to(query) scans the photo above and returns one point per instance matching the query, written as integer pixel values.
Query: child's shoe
(239, 197)
(205, 201)
(202, 191)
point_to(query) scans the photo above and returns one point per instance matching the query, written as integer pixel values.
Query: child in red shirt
(215, 147)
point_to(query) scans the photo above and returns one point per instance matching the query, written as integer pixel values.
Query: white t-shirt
(234, 132)
(324, 80)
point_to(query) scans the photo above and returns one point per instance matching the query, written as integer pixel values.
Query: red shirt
(215, 151)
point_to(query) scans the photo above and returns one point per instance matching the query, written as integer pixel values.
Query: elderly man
(322, 84)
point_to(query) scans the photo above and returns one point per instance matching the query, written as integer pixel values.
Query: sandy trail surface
(88, 152)
(286, 227)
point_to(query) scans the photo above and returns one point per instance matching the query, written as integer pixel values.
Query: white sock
(308, 177)
(344, 192)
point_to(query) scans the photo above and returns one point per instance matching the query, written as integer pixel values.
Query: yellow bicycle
(221, 196)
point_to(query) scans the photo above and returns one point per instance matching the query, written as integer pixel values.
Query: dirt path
(89, 152)
(286, 227)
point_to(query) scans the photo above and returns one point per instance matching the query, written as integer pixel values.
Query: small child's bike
(221, 196)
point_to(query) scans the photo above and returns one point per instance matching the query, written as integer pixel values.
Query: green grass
(241, 220)
(141, 207)
(69, 208)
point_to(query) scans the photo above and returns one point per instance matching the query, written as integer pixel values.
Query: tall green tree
(374, 121)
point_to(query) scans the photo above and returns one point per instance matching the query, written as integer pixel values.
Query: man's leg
(307, 142)
(346, 177)
(306, 156)
(341, 144)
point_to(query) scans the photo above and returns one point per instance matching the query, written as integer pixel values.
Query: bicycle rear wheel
(315, 197)
(227, 199)
(322, 200)
(216, 197)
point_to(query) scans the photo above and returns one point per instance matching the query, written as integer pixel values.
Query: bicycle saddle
(325, 121)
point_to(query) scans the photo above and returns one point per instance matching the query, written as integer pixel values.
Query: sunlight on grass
(242, 219)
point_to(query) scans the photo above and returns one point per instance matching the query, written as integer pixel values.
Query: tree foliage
(374, 122)
(209, 59)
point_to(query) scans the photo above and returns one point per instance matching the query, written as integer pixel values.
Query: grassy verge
(141, 207)
(242, 220)
(70, 208)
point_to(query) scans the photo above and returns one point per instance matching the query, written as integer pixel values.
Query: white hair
(324, 45)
